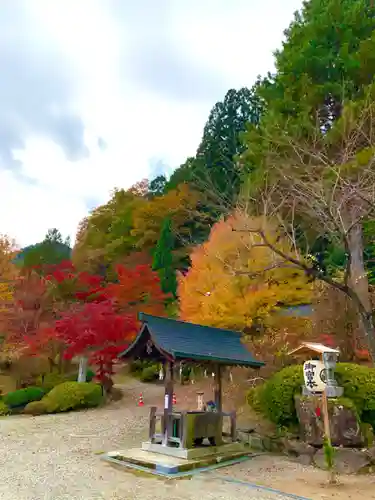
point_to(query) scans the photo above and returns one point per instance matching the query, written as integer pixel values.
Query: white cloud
(138, 123)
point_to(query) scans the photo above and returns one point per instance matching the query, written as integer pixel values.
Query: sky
(98, 94)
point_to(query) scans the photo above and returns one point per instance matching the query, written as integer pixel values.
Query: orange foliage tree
(236, 282)
(137, 290)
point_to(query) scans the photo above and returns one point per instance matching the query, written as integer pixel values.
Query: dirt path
(55, 457)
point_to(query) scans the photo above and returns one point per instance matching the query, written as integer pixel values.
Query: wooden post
(168, 406)
(183, 429)
(151, 433)
(218, 393)
(233, 426)
(327, 433)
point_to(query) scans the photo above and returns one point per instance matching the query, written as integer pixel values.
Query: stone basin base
(169, 466)
(195, 453)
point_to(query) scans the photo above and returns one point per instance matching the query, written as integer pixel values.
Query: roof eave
(226, 361)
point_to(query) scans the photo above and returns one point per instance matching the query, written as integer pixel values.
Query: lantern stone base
(345, 427)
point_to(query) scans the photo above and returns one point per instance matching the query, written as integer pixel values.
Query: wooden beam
(168, 399)
(218, 388)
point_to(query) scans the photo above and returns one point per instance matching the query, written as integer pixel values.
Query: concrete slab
(166, 465)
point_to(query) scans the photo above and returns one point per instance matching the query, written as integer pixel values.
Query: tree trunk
(60, 358)
(82, 369)
(358, 275)
(51, 364)
(369, 330)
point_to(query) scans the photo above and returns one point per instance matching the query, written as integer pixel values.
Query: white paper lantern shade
(314, 374)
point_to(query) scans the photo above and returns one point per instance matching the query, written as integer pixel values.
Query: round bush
(275, 398)
(149, 374)
(23, 396)
(51, 380)
(73, 396)
(35, 408)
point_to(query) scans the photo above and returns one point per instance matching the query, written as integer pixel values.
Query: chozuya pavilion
(179, 443)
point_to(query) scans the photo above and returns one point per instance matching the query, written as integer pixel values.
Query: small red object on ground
(140, 400)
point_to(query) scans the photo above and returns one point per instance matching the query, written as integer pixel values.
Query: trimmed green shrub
(50, 380)
(149, 374)
(359, 385)
(4, 410)
(35, 408)
(275, 398)
(73, 396)
(137, 366)
(138, 369)
(252, 398)
(23, 396)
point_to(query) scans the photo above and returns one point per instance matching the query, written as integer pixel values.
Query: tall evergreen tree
(52, 250)
(163, 258)
(215, 167)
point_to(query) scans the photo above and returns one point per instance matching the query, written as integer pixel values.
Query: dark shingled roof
(187, 341)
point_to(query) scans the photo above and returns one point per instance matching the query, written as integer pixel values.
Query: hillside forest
(268, 229)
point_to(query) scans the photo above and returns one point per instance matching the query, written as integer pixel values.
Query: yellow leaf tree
(236, 282)
(8, 251)
(180, 205)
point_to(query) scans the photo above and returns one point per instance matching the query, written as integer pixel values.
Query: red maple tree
(104, 320)
(97, 331)
(68, 313)
(137, 290)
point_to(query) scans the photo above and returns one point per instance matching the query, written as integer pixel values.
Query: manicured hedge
(275, 398)
(23, 396)
(35, 408)
(51, 380)
(73, 396)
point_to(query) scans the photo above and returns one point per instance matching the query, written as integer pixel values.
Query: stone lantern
(326, 368)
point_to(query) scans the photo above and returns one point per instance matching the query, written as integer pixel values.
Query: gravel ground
(55, 457)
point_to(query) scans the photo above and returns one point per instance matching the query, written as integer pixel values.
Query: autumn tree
(137, 290)
(188, 222)
(315, 140)
(323, 187)
(6, 294)
(97, 332)
(235, 282)
(8, 253)
(52, 250)
(105, 237)
(103, 320)
(29, 310)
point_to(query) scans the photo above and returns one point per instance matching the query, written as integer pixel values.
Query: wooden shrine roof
(180, 340)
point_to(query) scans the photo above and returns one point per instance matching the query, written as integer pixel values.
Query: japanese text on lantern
(309, 369)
